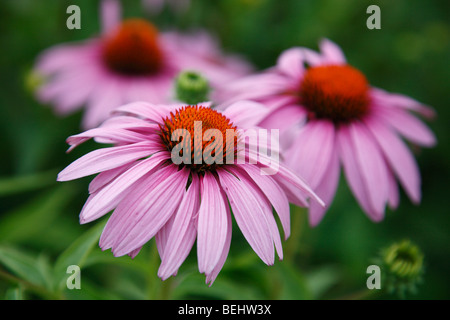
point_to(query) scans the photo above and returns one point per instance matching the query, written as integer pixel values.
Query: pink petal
(212, 224)
(371, 165)
(353, 173)
(281, 173)
(325, 190)
(211, 277)
(284, 117)
(331, 52)
(399, 158)
(245, 114)
(134, 253)
(106, 98)
(249, 215)
(111, 14)
(274, 194)
(162, 236)
(145, 110)
(311, 151)
(407, 125)
(109, 196)
(394, 196)
(106, 159)
(384, 99)
(107, 135)
(290, 63)
(105, 177)
(183, 232)
(153, 206)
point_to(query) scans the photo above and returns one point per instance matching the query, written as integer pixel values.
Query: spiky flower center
(133, 49)
(335, 92)
(203, 137)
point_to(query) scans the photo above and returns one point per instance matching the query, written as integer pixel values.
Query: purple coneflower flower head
(131, 61)
(329, 116)
(159, 189)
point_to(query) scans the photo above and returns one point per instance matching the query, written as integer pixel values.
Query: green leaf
(322, 279)
(76, 253)
(14, 294)
(290, 283)
(34, 217)
(22, 264)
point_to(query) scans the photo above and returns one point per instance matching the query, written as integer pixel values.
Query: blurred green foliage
(39, 230)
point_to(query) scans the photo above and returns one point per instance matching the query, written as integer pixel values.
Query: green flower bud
(402, 266)
(191, 88)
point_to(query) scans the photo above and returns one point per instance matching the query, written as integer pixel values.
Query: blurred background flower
(131, 61)
(40, 233)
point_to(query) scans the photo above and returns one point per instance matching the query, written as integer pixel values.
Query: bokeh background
(39, 230)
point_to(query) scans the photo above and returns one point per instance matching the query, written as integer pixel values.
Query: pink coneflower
(330, 115)
(178, 202)
(131, 61)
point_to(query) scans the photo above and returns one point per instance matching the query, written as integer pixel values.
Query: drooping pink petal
(154, 206)
(134, 253)
(271, 167)
(212, 224)
(106, 98)
(106, 159)
(162, 236)
(371, 165)
(383, 98)
(107, 198)
(245, 114)
(211, 277)
(244, 89)
(394, 197)
(182, 233)
(274, 193)
(325, 190)
(249, 215)
(312, 150)
(284, 117)
(354, 175)
(407, 125)
(105, 177)
(399, 158)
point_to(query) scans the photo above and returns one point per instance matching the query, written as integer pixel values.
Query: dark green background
(39, 217)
